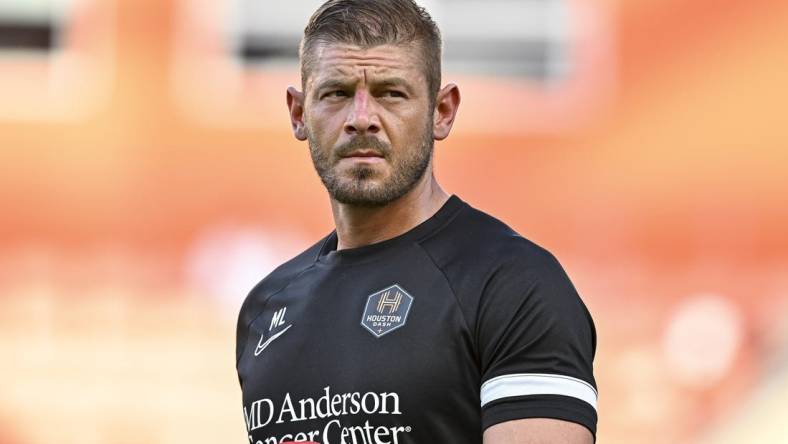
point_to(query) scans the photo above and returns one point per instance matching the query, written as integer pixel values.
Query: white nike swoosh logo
(260, 347)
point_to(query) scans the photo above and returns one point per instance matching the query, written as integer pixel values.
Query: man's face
(368, 119)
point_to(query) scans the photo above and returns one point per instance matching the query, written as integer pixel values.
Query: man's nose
(362, 118)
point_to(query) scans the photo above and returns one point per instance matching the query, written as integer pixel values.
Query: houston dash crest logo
(386, 310)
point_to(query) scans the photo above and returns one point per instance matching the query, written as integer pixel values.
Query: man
(419, 319)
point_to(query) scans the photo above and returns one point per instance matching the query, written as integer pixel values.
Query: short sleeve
(536, 342)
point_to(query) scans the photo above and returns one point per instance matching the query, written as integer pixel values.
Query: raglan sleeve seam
(451, 288)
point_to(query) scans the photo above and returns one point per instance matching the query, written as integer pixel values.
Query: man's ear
(446, 105)
(295, 104)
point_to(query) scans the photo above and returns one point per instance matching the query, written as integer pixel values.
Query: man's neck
(359, 226)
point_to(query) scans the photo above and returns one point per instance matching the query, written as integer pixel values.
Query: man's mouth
(364, 154)
(363, 157)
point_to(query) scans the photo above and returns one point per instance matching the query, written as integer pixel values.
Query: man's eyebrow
(392, 81)
(332, 83)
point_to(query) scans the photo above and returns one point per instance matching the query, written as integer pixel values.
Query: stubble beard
(360, 185)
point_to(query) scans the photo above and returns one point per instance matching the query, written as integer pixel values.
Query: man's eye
(337, 93)
(395, 93)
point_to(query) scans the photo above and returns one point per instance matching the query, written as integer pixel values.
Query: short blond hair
(368, 23)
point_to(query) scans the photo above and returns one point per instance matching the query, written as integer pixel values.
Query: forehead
(331, 60)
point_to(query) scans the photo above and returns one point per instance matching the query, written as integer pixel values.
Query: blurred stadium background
(148, 179)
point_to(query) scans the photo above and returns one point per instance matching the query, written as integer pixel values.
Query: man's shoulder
(491, 268)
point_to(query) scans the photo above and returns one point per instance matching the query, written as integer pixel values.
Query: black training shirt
(429, 337)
